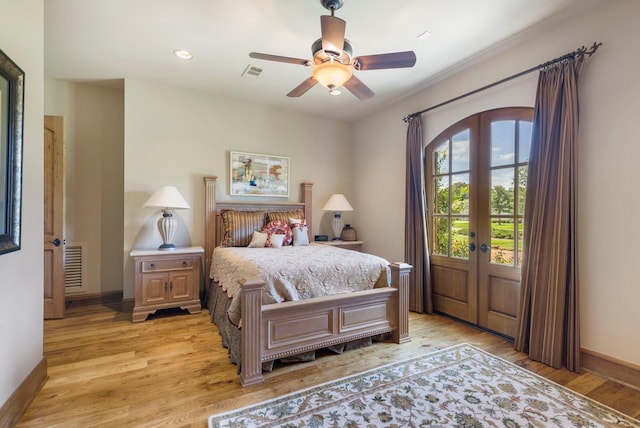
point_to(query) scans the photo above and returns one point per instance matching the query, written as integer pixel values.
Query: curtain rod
(578, 52)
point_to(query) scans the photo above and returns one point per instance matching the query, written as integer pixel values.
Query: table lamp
(337, 203)
(168, 198)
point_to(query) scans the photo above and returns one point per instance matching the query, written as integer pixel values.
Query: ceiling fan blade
(381, 61)
(303, 87)
(332, 33)
(358, 88)
(278, 58)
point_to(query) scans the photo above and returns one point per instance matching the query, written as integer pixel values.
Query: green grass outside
(460, 232)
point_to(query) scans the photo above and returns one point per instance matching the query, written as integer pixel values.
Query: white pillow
(300, 236)
(277, 240)
(297, 222)
(258, 240)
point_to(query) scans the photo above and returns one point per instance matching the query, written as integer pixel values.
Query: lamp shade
(167, 197)
(337, 202)
(332, 74)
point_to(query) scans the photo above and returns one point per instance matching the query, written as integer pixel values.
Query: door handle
(484, 248)
(55, 242)
(472, 246)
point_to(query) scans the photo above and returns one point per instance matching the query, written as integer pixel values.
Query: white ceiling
(87, 40)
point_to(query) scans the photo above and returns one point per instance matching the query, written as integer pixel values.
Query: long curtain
(549, 325)
(415, 229)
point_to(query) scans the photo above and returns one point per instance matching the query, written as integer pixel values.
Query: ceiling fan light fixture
(332, 75)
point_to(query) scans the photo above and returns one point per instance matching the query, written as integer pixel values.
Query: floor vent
(74, 268)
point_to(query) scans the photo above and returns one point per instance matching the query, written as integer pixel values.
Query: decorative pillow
(275, 240)
(265, 239)
(297, 222)
(284, 216)
(258, 240)
(300, 236)
(239, 227)
(278, 227)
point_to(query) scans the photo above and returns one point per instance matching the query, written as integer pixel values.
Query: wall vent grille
(74, 267)
(251, 71)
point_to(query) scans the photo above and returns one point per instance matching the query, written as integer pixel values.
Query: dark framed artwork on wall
(11, 128)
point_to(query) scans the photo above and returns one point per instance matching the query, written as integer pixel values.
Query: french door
(476, 172)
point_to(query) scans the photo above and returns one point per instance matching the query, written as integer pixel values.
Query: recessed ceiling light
(424, 35)
(183, 54)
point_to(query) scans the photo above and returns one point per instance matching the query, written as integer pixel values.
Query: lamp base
(167, 226)
(336, 226)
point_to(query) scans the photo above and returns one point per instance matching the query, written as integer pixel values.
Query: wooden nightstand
(166, 279)
(349, 245)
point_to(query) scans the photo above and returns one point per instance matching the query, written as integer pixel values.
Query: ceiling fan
(333, 61)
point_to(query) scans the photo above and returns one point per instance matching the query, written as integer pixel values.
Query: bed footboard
(275, 331)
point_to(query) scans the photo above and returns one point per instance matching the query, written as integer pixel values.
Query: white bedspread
(296, 272)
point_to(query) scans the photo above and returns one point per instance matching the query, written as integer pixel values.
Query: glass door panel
(502, 142)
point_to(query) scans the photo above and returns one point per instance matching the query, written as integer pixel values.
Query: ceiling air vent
(251, 71)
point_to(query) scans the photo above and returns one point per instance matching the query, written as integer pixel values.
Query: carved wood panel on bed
(272, 331)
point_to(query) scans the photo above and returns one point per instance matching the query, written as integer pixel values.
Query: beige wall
(21, 38)
(94, 152)
(608, 157)
(176, 136)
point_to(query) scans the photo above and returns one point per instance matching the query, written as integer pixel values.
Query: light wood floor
(172, 370)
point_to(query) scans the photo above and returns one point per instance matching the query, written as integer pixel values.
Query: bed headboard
(214, 228)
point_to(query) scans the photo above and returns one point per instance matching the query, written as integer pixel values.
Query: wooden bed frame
(275, 331)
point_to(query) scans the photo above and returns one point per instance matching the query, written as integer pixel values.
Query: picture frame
(253, 174)
(11, 130)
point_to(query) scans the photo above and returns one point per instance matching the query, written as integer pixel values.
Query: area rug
(461, 386)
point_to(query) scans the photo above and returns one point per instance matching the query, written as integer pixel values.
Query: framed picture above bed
(253, 174)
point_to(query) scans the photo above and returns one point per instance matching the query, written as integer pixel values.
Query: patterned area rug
(461, 386)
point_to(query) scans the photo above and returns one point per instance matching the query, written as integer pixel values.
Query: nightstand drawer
(162, 265)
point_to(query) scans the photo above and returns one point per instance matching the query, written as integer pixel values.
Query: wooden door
(53, 217)
(503, 162)
(476, 182)
(451, 175)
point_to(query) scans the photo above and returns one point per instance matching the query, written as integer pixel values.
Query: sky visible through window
(503, 151)
(460, 149)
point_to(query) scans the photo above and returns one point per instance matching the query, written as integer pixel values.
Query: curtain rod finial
(594, 48)
(408, 117)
